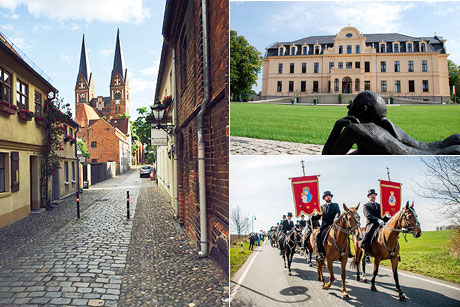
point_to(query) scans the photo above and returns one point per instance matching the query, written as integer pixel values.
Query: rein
(402, 230)
(347, 231)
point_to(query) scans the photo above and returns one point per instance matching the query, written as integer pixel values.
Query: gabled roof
(118, 60)
(86, 113)
(84, 63)
(121, 123)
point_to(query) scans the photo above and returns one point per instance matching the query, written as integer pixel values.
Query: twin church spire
(118, 101)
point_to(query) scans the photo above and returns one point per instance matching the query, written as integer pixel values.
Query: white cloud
(152, 70)
(368, 17)
(106, 52)
(42, 27)
(138, 85)
(14, 16)
(7, 27)
(89, 10)
(20, 42)
(66, 58)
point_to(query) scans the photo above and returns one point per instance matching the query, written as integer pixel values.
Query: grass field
(428, 256)
(312, 124)
(238, 258)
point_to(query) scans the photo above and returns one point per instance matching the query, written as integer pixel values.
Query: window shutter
(14, 171)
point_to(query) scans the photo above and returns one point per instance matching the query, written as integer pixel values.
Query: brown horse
(337, 244)
(307, 248)
(359, 252)
(386, 246)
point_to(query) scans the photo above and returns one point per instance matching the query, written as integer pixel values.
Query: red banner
(390, 197)
(305, 191)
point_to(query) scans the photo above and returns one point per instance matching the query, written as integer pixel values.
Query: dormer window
(293, 50)
(382, 47)
(422, 47)
(281, 51)
(317, 49)
(395, 47)
(304, 50)
(409, 46)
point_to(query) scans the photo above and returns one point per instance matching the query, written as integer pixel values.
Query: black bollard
(78, 204)
(127, 204)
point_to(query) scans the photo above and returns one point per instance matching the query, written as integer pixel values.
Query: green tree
(454, 80)
(141, 129)
(245, 64)
(81, 146)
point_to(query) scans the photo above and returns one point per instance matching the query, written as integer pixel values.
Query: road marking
(427, 280)
(240, 281)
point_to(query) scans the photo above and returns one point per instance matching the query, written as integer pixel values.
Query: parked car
(145, 171)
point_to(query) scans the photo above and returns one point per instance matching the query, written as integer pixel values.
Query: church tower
(84, 89)
(119, 86)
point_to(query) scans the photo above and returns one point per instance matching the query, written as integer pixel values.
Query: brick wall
(185, 34)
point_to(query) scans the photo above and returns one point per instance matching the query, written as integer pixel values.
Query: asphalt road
(263, 281)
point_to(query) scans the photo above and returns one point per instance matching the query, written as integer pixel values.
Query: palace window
(348, 49)
(304, 68)
(397, 86)
(331, 65)
(336, 85)
(292, 50)
(367, 67)
(357, 85)
(424, 66)
(303, 86)
(5, 85)
(349, 65)
(280, 68)
(316, 68)
(422, 47)
(411, 86)
(396, 47)
(411, 66)
(357, 64)
(38, 103)
(291, 86)
(425, 85)
(396, 66)
(22, 90)
(357, 49)
(340, 65)
(383, 86)
(281, 51)
(383, 66)
(279, 86)
(317, 51)
(304, 50)
(367, 85)
(315, 86)
(409, 47)
(382, 48)
(340, 49)
(291, 68)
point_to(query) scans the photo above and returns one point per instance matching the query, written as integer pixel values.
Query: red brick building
(182, 28)
(106, 134)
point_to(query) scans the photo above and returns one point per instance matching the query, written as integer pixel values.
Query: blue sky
(265, 22)
(260, 185)
(50, 33)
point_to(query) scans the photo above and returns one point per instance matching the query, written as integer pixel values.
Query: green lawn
(312, 124)
(238, 258)
(428, 256)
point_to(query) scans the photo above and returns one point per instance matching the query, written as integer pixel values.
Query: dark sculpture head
(368, 107)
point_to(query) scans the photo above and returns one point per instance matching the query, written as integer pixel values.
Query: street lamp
(158, 111)
(252, 220)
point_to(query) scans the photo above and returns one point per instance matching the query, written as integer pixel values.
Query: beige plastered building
(392, 65)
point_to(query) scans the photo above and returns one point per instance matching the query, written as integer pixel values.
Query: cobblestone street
(82, 262)
(250, 146)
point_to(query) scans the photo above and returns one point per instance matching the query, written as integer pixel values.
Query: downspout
(175, 185)
(201, 145)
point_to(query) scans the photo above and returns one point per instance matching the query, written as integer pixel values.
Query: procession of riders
(327, 235)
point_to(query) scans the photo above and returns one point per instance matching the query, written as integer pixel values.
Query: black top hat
(327, 193)
(284, 215)
(371, 191)
(302, 215)
(290, 214)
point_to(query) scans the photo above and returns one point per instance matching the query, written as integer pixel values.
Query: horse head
(410, 220)
(353, 221)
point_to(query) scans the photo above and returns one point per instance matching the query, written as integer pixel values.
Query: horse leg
(394, 266)
(319, 267)
(290, 259)
(344, 265)
(363, 264)
(310, 253)
(331, 273)
(376, 271)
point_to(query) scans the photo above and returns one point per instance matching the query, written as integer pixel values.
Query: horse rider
(372, 212)
(329, 211)
(302, 222)
(315, 222)
(287, 226)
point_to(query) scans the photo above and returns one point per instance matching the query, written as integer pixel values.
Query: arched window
(357, 85)
(117, 95)
(82, 98)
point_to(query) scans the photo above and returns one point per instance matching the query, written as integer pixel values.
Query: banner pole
(303, 167)
(388, 174)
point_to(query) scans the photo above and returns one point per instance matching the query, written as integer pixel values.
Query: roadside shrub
(453, 244)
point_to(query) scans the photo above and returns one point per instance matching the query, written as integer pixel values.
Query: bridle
(404, 231)
(348, 230)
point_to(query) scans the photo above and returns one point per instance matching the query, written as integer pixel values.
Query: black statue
(367, 126)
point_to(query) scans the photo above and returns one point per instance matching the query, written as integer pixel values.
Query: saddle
(324, 234)
(373, 238)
